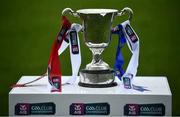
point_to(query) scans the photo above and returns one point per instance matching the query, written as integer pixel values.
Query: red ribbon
(54, 70)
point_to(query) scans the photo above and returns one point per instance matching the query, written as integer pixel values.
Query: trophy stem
(96, 54)
(97, 63)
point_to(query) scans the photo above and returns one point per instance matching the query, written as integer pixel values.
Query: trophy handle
(70, 11)
(126, 10)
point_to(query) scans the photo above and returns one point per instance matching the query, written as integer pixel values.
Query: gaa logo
(22, 109)
(77, 109)
(131, 109)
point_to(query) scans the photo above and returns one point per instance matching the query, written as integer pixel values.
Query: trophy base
(97, 85)
(97, 78)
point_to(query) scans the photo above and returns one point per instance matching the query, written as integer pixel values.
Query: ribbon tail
(140, 88)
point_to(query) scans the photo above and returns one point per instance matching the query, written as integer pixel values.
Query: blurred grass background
(29, 27)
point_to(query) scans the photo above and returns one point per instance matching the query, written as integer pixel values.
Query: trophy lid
(96, 11)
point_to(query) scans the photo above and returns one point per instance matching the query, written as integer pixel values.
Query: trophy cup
(97, 24)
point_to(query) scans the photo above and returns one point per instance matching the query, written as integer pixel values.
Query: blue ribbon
(118, 65)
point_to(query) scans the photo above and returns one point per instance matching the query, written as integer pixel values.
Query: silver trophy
(97, 24)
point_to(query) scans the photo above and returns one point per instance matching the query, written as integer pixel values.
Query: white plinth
(117, 101)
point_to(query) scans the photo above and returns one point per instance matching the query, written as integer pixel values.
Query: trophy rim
(96, 11)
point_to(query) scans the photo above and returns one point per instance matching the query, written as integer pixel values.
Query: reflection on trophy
(97, 24)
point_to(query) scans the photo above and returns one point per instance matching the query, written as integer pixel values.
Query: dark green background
(29, 27)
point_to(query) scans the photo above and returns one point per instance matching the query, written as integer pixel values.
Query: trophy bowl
(97, 25)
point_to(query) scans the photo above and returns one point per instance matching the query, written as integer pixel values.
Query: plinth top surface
(96, 11)
(155, 85)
